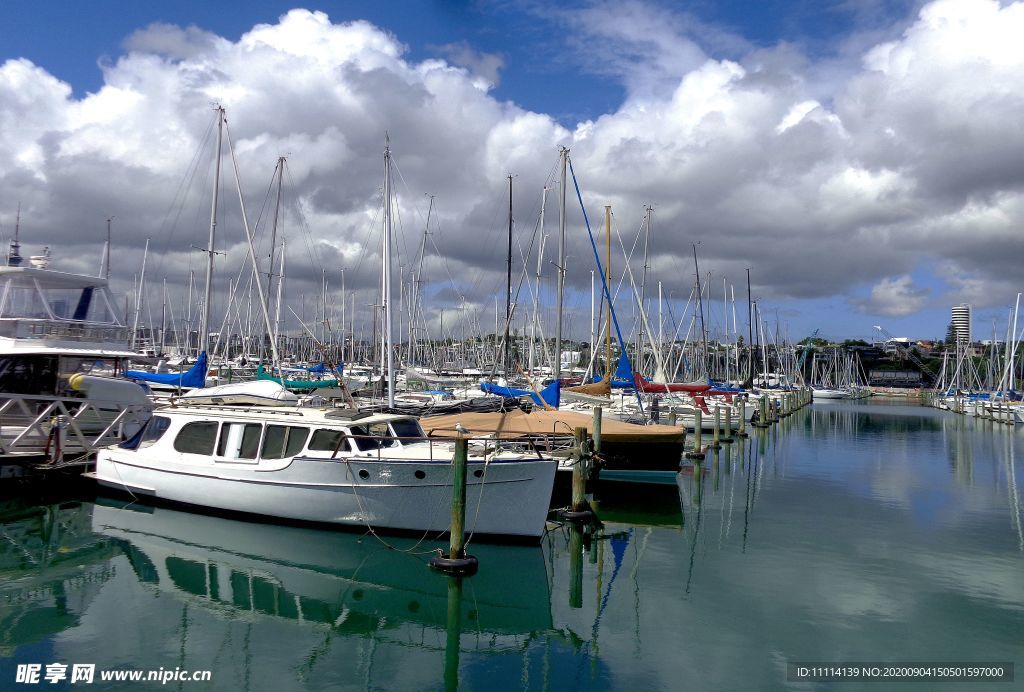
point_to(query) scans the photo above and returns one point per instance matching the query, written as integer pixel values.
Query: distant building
(961, 317)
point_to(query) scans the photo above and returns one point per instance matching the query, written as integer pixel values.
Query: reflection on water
(51, 567)
(847, 531)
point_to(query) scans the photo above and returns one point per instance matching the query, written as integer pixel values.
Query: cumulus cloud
(486, 65)
(895, 297)
(910, 151)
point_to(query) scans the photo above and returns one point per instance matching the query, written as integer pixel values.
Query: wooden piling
(457, 562)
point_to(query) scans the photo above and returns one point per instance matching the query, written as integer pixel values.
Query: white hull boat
(821, 393)
(326, 466)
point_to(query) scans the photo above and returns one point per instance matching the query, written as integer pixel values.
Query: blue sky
(70, 38)
(901, 219)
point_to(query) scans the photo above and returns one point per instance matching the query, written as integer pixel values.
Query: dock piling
(457, 562)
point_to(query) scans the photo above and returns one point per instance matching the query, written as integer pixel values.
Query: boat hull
(503, 498)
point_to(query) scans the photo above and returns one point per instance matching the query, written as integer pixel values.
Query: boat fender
(457, 566)
(124, 393)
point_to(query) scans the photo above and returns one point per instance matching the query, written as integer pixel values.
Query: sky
(864, 160)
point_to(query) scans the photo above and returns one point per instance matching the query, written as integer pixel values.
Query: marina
(641, 346)
(867, 530)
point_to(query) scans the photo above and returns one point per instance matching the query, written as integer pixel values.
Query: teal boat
(303, 385)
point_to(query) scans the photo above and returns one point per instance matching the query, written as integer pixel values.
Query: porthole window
(478, 473)
(420, 474)
(364, 474)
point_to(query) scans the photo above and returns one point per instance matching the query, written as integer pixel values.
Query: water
(850, 532)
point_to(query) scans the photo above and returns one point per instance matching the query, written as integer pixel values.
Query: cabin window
(33, 375)
(408, 430)
(325, 440)
(283, 441)
(372, 436)
(239, 440)
(149, 433)
(196, 438)
(96, 366)
(154, 430)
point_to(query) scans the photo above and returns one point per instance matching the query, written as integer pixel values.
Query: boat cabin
(251, 435)
(41, 305)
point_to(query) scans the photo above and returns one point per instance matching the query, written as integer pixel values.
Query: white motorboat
(338, 466)
(62, 347)
(829, 393)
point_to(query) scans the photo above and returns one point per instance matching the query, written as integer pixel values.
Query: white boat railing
(28, 328)
(33, 425)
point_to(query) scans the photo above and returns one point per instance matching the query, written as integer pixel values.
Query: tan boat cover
(602, 388)
(513, 424)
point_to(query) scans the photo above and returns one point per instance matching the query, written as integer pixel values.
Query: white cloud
(910, 152)
(488, 66)
(895, 297)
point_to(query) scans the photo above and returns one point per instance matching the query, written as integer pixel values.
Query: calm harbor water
(866, 531)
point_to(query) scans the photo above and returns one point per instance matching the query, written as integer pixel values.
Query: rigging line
(177, 203)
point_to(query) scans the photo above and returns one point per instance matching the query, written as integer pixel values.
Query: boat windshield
(24, 297)
(407, 430)
(372, 436)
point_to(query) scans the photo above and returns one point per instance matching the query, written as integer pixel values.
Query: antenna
(14, 256)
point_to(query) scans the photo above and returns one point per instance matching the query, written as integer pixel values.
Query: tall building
(961, 315)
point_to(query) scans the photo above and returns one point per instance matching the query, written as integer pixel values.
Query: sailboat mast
(540, 261)
(279, 171)
(750, 333)
(280, 288)
(204, 323)
(700, 307)
(561, 266)
(608, 290)
(643, 290)
(106, 252)
(163, 321)
(389, 360)
(138, 295)
(508, 287)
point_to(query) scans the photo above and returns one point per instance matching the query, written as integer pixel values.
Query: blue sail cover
(193, 377)
(623, 377)
(551, 393)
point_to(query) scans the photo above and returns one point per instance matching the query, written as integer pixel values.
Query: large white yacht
(326, 465)
(62, 347)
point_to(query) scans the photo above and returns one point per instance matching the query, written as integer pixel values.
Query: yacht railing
(21, 328)
(37, 425)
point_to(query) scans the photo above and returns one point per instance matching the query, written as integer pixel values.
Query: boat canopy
(550, 394)
(305, 385)
(192, 378)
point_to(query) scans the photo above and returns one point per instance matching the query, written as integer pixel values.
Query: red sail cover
(658, 388)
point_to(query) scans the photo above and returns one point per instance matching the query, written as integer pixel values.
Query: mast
(204, 322)
(279, 171)
(609, 370)
(106, 252)
(280, 289)
(700, 306)
(540, 261)
(389, 359)
(138, 295)
(750, 335)
(508, 287)
(163, 321)
(643, 291)
(14, 254)
(561, 266)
